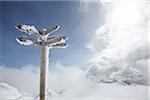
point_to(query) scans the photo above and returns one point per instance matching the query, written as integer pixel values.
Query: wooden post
(43, 71)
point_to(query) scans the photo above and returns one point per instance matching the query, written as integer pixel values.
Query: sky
(107, 40)
(43, 15)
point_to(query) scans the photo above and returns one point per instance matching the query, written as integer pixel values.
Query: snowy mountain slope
(98, 91)
(8, 92)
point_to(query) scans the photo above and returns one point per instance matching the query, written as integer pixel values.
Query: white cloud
(25, 78)
(61, 78)
(85, 5)
(67, 77)
(122, 41)
(65, 83)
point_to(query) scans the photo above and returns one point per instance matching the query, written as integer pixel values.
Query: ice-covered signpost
(46, 41)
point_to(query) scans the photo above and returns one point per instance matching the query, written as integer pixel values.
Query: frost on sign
(44, 40)
(42, 37)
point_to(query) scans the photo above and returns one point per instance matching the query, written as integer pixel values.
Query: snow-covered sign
(42, 37)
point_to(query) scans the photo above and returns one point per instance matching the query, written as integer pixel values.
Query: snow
(8, 92)
(26, 43)
(100, 91)
(122, 59)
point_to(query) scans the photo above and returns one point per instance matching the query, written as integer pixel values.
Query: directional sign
(45, 40)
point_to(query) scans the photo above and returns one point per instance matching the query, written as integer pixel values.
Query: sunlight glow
(125, 14)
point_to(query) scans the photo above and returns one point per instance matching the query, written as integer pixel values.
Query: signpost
(45, 41)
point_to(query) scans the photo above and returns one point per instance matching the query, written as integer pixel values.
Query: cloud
(86, 5)
(67, 76)
(61, 78)
(119, 43)
(25, 78)
(122, 41)
(65, 83)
